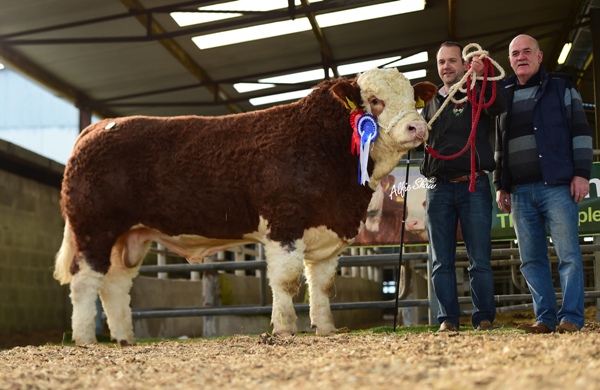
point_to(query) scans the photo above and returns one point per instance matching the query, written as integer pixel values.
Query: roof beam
(452, 19)
(326, 53)
(181, 55)
(143, 14)
(570, 21)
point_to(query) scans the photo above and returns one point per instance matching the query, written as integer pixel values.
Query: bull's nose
(419, 128)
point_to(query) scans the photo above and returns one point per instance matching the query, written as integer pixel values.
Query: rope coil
(469, 79)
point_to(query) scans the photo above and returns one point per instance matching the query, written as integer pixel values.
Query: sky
(34, 118)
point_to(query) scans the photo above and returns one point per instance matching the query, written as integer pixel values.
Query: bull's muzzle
(419, 129)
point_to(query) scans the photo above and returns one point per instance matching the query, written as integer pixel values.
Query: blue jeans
(535, 206)
(447, 203)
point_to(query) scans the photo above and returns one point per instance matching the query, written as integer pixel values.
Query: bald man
(543, 166)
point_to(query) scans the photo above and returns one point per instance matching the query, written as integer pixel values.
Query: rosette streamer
(365, 133)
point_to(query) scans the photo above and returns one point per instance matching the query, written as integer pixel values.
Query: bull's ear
(347, 92)
(424, 92)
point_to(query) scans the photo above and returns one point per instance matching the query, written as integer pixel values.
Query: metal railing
(379, 260)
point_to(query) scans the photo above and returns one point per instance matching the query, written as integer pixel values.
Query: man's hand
(503, 200)
(580, 188)
(477, 65)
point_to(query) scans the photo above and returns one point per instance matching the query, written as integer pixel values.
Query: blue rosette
(368, 131)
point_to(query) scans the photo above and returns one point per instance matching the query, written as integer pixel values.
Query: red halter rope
(478, 106)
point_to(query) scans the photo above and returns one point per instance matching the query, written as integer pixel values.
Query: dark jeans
(447, 203)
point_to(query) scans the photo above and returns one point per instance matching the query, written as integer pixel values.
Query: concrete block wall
(30, 234)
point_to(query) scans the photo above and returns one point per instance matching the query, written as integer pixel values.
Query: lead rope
(470, 78)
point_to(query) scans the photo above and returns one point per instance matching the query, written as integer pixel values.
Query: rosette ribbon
(366, 130)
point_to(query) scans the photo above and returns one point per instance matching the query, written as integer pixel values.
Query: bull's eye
(375, 101)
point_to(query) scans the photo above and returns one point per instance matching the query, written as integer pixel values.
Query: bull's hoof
(125, 343)
(284, 333)
(326, 331)
(80, 341)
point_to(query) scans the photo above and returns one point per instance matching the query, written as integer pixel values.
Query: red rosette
(355, 145)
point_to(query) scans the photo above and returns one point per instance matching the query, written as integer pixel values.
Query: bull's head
(388, 95)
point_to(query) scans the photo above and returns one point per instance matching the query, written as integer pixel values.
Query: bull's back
(176, 175)
(214, 176)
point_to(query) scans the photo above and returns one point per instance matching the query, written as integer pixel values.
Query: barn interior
(165, 58)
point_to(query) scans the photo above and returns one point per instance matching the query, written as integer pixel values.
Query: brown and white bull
(283, 177)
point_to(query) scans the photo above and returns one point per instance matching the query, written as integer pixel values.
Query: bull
(284, 177)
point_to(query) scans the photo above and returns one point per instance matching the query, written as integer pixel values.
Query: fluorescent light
(253, 33)
(564, 53)
(369, 12)
(248, 87)
(184, 19)
(259, 101)
(358, 67)
(415, 74)
(300, 94)
(1, 66)
(343, 70)
(269, 30)
(414, 59)
(293, 78)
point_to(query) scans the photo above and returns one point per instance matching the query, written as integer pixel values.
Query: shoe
(485, 325)
(447, 327)
(567, 327)
(538, 327)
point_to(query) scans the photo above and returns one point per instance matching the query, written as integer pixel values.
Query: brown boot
(447, 327)
(567, 327)
(538, 327)
(486, 325)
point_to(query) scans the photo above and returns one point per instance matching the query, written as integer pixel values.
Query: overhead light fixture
(228, 10)
(564, 53)
(248, 87)
(1, 66)
(280, 97)
(410, 60)
(294, 95)
(415, 74)
(300, 24)
(343, 70)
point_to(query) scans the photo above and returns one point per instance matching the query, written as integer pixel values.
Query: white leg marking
(84, 292)
(320, 277)
(116, 287)
(284, 271)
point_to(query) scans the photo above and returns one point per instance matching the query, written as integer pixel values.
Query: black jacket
(450, 133)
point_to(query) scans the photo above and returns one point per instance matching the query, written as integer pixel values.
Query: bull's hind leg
(126, 258)
(116, 303)
(285, 265)
(320, 279)
(84, 292)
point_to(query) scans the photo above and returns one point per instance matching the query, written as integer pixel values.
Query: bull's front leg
(285, 266)
(320, 279)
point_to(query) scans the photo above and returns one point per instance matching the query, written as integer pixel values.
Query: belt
(462, 179)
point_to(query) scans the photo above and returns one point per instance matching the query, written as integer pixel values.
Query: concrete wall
(30, 234)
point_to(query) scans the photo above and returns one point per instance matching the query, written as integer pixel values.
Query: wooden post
(211, 290)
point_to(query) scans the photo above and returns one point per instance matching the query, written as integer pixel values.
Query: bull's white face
(390, 98)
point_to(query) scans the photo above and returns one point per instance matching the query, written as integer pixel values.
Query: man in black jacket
(449, 200)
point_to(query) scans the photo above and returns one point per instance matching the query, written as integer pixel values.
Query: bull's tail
(64, 257)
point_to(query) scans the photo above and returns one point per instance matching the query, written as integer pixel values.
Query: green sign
(384, 221)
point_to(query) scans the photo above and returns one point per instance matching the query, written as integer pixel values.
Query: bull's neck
(385, 158)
